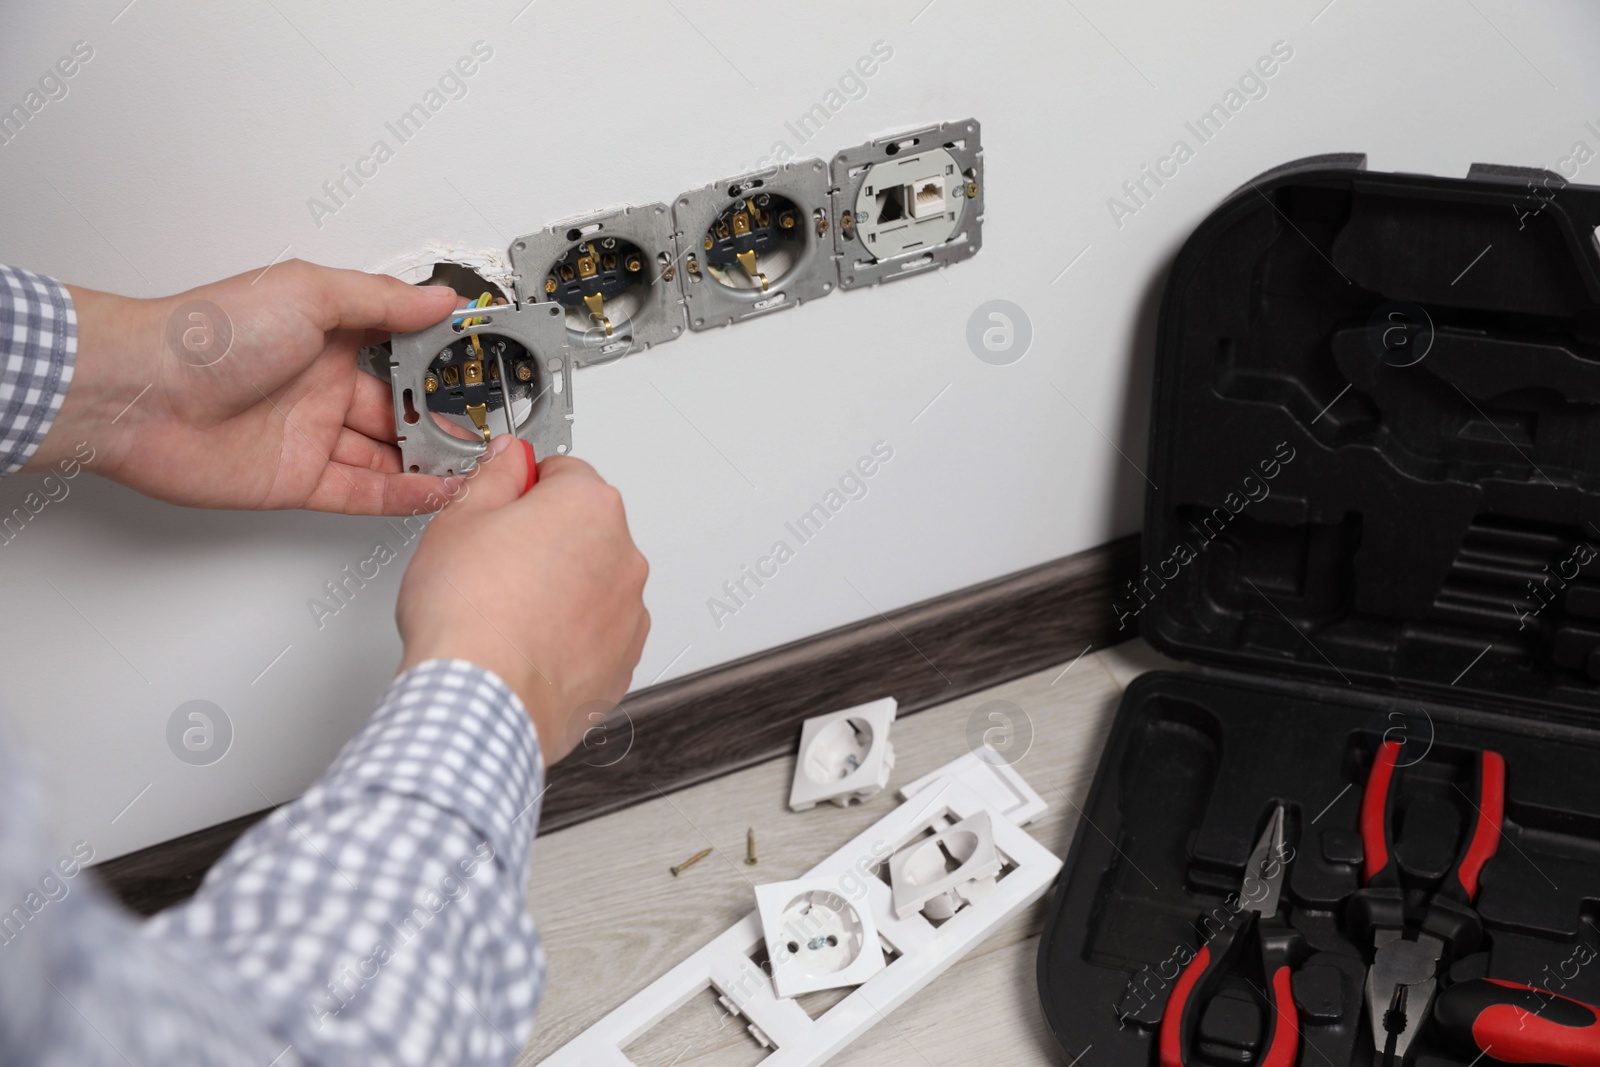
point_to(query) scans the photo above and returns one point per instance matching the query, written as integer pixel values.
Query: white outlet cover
(938, 875)
(948, 796)
(845, 756)
(816, 938)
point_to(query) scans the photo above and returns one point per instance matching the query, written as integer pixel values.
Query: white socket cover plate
(816, 939)
(920, 872)
(845, 756)
(954, 792)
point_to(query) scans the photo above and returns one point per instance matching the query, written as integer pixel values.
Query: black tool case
(1374, 513)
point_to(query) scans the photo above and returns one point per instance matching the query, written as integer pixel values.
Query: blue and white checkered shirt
(381, 918)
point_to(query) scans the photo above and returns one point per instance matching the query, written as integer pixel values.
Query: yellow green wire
(483, 301)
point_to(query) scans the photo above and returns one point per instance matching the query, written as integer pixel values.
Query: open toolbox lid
(1375, 437)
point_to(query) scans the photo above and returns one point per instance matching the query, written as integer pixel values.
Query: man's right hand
(544, 589)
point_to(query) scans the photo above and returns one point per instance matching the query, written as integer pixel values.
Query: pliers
(1225, 930)
(1413, 934)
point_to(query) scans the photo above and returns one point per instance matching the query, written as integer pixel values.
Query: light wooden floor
(614, 919)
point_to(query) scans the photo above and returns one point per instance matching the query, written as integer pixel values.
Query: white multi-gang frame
(958, 790)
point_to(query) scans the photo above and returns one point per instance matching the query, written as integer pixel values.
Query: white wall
(188, 146)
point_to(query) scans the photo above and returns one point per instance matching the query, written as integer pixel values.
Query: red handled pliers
(1408, 955)
(1226, 930)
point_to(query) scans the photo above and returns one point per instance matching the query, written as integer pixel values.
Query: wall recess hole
(464, 280)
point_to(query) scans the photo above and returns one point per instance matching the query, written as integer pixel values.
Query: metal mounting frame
(659, 318)
(540, 328)
(957, 791)
(856, 266)
(711, 304)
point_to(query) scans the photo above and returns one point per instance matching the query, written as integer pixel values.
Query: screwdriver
(1511, 1023)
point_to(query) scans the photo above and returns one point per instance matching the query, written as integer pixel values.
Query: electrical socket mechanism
(616, 281)
(908, 203)
(452, 371)
(615, 274)
(845, 756)
(816, 938)
(756, 243)
(941, 874)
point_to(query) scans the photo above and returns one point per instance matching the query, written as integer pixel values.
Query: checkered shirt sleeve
(379, 919)
(382, 917)
(38, 345)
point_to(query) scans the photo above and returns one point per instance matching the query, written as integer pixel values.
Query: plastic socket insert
(845, 756)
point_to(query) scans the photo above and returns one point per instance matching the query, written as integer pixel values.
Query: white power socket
(845, 756)
(816, 939)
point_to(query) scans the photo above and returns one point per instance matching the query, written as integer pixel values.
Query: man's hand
(245, 393)
(545, 589)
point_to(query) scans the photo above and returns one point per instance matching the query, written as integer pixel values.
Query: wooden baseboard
(731, 716)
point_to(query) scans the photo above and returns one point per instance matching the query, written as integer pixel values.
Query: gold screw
(633, 263)
(822, 222)
(750, 847)
(786, 220)
(691, 861)
(669, 273)
(524, 373)
(693, 266)
(550, 284)
(972, 189)
(430, 383)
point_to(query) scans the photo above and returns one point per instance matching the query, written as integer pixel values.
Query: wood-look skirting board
(731, 716)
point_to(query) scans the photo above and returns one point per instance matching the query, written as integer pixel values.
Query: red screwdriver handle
(1511, 1023)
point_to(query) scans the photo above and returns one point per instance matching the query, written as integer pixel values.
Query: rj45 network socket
(756, 243)
(615, 274)
(453, 370)
(908, 203)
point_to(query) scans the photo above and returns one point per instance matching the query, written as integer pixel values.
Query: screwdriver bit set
(1365, 828)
